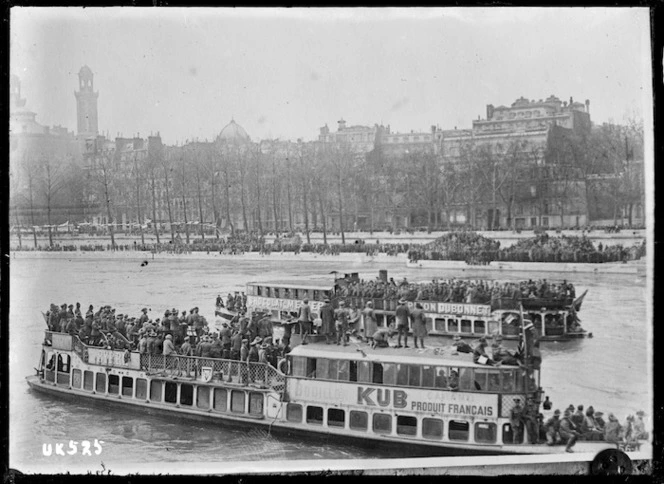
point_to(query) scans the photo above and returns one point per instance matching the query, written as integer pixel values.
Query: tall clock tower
(86, 104)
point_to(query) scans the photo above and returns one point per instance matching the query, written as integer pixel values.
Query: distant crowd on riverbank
(470, 247)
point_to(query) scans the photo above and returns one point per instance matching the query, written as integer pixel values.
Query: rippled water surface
(611, 371)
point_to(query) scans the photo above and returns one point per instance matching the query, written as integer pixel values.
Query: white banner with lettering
(418, 400)
(273, 303)
(453, 308)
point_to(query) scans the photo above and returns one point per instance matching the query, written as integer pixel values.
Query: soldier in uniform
(304, 318)
(419, 325)
(516, 421)
(552, 427)
(370, 324)
(568, 431)
(341, 315)
(530, 419)
(236, 345)
(327, 317)
(143, 318)
(225, 334)
(402, 315)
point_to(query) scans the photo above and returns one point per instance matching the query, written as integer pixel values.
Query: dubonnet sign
(441, 402)
(453, 308)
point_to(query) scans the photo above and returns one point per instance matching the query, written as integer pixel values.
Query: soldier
(381, 337)
(225, 335)
(460, 345)
(402, 316)
(143, 318)
(419, 325)
(186, 349)
(152, 342)
(552, 427)
(639, 427)
(370, 324)
(327, 318)
(516, 421)
(530, 419)
(236, 345)
(341, 315)
(304, 318)
(568, 431)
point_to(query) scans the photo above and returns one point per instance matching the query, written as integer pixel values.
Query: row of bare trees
(284, 187)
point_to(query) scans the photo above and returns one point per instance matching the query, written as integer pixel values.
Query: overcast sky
(285, 73)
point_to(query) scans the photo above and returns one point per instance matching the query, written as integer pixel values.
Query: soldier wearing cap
(169, 347)
(460, 345)
(369, 321)
(236, 345)
(342, 315)
(327, 319)
(402, 316)
(599, 421)
(568, 431)
(304, 318)
(516, 421)
(552, 427)
(639, 427)
(143, 318)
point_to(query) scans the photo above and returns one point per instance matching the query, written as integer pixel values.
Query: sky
(284, 73)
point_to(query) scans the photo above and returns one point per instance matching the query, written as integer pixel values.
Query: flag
(579, 300)
(509, 319)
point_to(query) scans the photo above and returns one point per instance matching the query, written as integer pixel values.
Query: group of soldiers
(573, 425)
(478, 291)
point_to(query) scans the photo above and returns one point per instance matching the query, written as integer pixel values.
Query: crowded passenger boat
(480, 399)
(452, 307)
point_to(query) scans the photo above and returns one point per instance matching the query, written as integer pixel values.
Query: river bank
(348, 261)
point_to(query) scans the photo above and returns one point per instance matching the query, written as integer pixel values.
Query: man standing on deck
(143, 317)
(236, 345)
(341, 315)
(516, 421)
(402, 315)
(304, 318)
(370, 324)
(327, 317)
(419, 325)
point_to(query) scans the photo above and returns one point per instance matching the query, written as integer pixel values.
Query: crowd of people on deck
(478, 291)
(176, 333)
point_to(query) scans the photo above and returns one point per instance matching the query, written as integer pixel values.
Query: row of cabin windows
(422, 376)
(116, 385)
(406, 425)
(289, 293)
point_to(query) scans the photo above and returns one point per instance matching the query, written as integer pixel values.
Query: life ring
(284, 366)
(611, 462)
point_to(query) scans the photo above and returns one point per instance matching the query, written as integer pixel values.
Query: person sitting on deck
(479, 354)
(589, 430)
(552, 427)
(613, 431)
(460, 345)
(380, 338)
(639, 427)
(568, 431)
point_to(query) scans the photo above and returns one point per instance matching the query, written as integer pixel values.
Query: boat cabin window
(377, 373)
(314, 415)
(493, 327)
(466, 326)
(480, 381)
(555, 325)
(511, 324)
(485, 432)
(113, 384)
(294, 412)
(202, 397)
(259, 290)
(316, 296)
(275, 292)
(237, 401)
(479, 327)
(440, 324)
(127, 386)
(170, 392)
(221, 399)
(336, 417)
(452, 325)
(466, 379)
(100, 384)
(63, 363)
(532, 379)
(428, 376)
(389, 373)
(432, 428)
(358, 420)
(364, 371)
(536, 319)
(76, 378)
(459, 430)
(406, 425)
(141, 388)
(288, 295)
(382, 423)
(441, 380)
(186, 394)
(256, 403)
(88, 380)
(156, 388)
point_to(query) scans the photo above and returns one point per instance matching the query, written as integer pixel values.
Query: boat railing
(231, 371)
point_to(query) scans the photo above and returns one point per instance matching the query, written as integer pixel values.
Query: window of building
(545, 221)
(485, 432)
(100, 385)
(127, 386)
(336, 417)
(294, 412)
(314, 415)
(459, 430)
(237, 401)
(406, 425)
(220, 399)
(358, 420)
(170, 392)
(382, 423)
(156, 390)
(432, 428)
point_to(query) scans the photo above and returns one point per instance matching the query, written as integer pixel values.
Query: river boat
(554, 319)
(399, 397)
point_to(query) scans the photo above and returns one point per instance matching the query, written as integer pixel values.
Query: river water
(611, 371)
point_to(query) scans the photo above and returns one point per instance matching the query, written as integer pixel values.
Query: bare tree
(52, 181)
(137, 182)
(303, 154)
(183, 186)
(104, 173)
(166, 166)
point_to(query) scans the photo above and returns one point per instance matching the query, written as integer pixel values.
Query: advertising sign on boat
(453, 308)
(440, 402)
(280, 304)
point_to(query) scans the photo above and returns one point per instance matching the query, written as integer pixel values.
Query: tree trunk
(290, 201)
(108, 210)
(322, 215)
(154, 208)
(18, 228)
(341, 210)
(168, 205)
(228, 200)
(200, 203)
(305, 208)
(274, 198)
(184, 204)
(138, 201)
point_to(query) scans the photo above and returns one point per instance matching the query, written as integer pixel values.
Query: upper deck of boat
(434, 356)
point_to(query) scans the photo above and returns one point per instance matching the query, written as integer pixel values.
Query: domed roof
(85, 71)
(233, 132)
